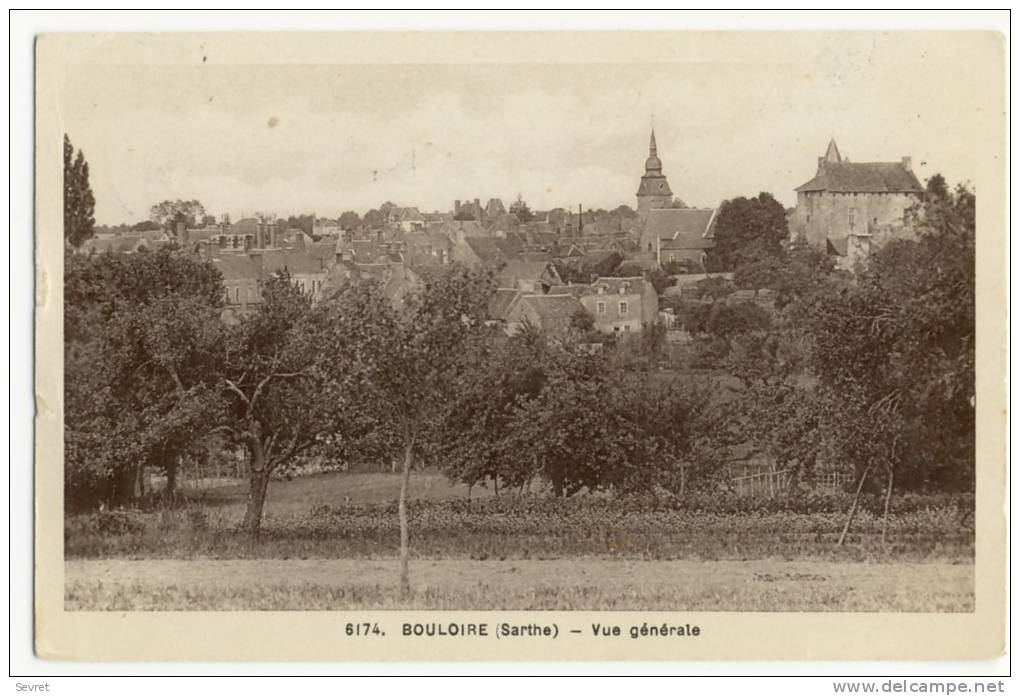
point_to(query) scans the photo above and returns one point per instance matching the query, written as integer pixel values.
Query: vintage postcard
(558, 346)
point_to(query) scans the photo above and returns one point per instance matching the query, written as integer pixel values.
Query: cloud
(290, 139)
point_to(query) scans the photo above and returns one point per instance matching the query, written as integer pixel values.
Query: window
(600, 308)
(237, 295)
(672, 258)
(626, 327)
(853, 215)
(623, 309)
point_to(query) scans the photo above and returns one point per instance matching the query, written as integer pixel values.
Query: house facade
(618, 305)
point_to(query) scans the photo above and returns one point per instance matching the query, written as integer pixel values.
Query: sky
(290, 139)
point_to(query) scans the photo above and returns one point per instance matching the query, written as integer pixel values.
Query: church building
(653, 192)
(677, 239)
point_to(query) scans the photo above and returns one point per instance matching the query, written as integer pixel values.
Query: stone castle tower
(653, 192)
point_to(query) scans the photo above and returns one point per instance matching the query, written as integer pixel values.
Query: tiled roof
(236, 267)
(501, 301)
(687, 228)
(630, 286)
(554, 311)
(863, 177)
(494, 251)
(275, 260)
(574, 289)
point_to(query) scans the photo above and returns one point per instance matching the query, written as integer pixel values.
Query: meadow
(331, 540)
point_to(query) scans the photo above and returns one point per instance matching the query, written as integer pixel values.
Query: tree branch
(237, 390)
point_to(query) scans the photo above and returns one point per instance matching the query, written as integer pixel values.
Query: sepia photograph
(691, 332)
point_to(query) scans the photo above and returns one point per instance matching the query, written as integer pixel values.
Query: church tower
(653, 192)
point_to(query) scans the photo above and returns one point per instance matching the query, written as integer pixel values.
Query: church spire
(832, 153)
(652, 150)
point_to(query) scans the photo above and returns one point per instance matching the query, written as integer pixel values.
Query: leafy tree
(476, 428)
(79, 203)
(623, 212)
(292, 375)
(142, 341)
(168, 213)
(659, 280)
(678, 203)
(374, 219)
(146, 226)
(582, 321)
(937, 188)
(895, 352)
(305, 223)
(520, 209)
(420, 354)
(349, 220)
(747, 230)
(208, 220)
(682, 266)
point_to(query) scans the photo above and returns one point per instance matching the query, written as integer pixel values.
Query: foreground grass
(581, 583)
(541, 529)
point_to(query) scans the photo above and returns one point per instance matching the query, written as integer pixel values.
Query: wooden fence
(773, 483)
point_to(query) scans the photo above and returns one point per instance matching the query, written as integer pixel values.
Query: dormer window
(602, 290)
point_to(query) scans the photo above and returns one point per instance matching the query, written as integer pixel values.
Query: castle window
(600, 308)
(623, 309)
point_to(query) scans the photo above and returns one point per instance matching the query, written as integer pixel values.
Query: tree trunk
(258, 482)
(888, 499)
(172, 465)
(125, 486)
(405, 577)
(853, 508)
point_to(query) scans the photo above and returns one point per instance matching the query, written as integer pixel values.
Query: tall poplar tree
(79, 203)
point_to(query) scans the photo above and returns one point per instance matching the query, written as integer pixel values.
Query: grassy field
(330, 541)
(581, 583)
(305, 492)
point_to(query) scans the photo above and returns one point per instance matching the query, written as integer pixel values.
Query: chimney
(908, 164)
(456, 206)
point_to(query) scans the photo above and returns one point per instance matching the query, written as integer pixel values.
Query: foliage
(292, 378)
(349, 220)
(79, 203)
(374, 219)
(169, 213)
(141, 345)
(700, 525)
(747, 230)
(519, 208)
(896, 352)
